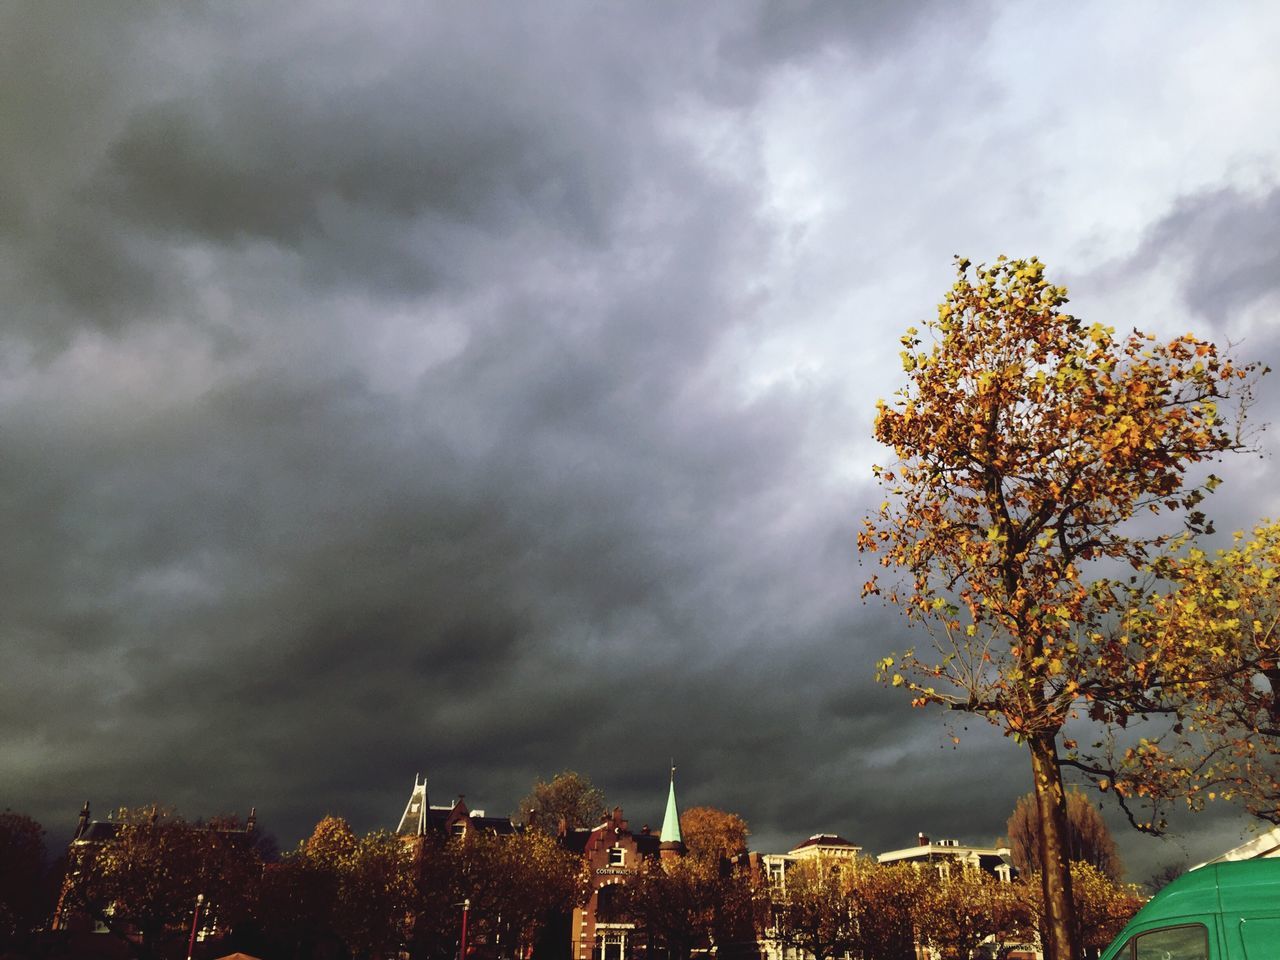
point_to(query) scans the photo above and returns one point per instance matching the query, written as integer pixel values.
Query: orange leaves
(1025, 440)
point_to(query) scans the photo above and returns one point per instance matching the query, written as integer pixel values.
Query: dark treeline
(139, 881)
(143, 883)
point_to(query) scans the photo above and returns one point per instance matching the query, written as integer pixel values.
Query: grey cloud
(1232, 242)
(1221, 251)
(317, 556)
(787, 29)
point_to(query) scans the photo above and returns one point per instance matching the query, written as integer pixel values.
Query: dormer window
(459, 829)
(617, 857)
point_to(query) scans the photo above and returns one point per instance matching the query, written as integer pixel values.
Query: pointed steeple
(671, 843)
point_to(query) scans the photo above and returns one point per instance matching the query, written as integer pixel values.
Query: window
(1190, 942)
(608, 906)
(617, 856)
(459, 829)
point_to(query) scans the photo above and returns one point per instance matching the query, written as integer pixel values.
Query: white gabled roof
(1262, 846)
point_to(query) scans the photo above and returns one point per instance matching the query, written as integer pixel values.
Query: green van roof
(1243, 886)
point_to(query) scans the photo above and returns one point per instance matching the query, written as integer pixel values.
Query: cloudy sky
(484, 390)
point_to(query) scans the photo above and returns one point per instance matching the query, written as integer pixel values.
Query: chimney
(922, 839)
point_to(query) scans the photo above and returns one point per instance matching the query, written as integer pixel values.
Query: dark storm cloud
(376, 400)
(562, 541)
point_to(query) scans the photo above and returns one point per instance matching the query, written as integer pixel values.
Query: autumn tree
(814, 909)
(1089, 838)
(714, 839)
(296, 902)
(674, 904)
(357, 889)
(712, 835)
(436, 911)
(331, 841)
(375, 896)
(24, 897)
(142, 883)
(886, 895)
(737, 916)
(1209, 649)
(1103, 905)
(569, 796)
(513, 883)
(862, 907)
(1025, 442)
(957, 913)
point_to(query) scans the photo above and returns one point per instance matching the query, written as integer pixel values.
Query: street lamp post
(462, 942)
(195, 920)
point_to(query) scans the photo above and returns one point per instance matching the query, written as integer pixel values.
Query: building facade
(947, 856)
(421, 818)
(828, 847)
(613, 856)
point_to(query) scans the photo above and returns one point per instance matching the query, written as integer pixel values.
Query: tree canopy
(815, 911)
(143, 882)
(712, 835)
(1026, 442)
(1089, 839)
(569, 796)
(956, 913)
(1208, 648)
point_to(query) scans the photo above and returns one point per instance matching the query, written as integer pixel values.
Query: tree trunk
(1055, 874)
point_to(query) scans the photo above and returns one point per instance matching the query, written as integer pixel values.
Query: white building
(946, 855)
(821, 846)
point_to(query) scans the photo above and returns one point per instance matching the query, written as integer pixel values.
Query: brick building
(613, 854)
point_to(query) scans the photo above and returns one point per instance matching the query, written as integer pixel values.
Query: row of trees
(337, 895)
(1034, 454)
(880, 912)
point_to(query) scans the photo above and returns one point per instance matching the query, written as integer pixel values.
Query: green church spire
(671, 822)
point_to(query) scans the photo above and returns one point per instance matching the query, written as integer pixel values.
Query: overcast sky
(484, 390)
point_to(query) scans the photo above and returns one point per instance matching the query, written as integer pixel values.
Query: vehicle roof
(1243, 886)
